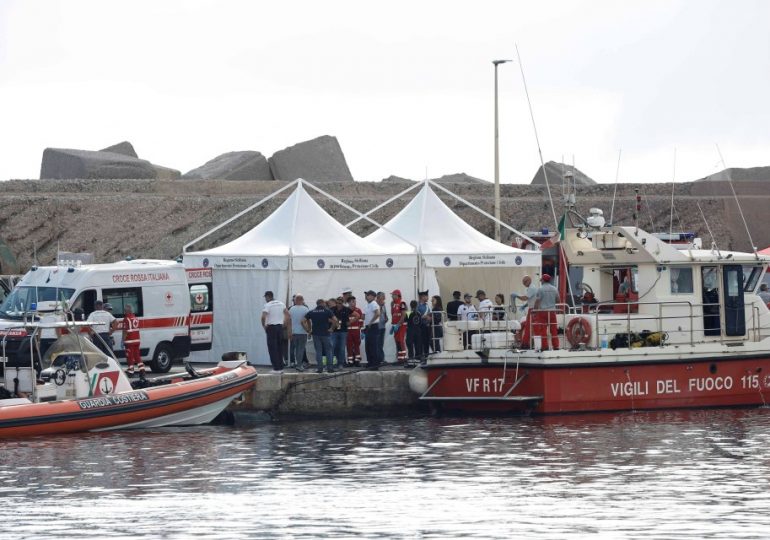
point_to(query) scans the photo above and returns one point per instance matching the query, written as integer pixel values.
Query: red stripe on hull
(734, 382)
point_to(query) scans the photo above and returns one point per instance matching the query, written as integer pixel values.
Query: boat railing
(668, 322)
(674, 322)
(497, 328)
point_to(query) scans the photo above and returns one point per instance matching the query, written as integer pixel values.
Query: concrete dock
(345, 394)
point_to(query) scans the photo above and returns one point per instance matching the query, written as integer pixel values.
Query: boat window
(200, 297)
(681, 280)
(732, 282)
(751, 276)
(118, 298)
(624, 280)
(21, 299)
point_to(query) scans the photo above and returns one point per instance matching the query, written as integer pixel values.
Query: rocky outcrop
(751, 174)
(116, 162)
(166, 173)
(125, 148)
(66, 163)
(243, 165)
(556, 172)
(317, 160)
(459, 178)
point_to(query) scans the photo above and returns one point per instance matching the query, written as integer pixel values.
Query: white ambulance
(170, 310)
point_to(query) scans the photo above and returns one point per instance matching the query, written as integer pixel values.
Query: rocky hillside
(154, 218)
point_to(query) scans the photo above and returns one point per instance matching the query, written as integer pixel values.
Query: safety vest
(356, 320)
(396, 310)
(131, 325)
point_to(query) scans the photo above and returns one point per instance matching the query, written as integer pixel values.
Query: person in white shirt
(485, 305)
(467, 312)
(528, 297)
(371, 329)
(274, 317)
(103, 325)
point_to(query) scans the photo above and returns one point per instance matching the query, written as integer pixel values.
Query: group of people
(338, 326)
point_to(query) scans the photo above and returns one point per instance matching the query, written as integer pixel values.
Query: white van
(157, 290)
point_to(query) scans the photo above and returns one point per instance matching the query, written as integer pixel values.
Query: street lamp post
(497, 158)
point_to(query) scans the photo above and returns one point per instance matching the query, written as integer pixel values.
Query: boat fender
(578, 331)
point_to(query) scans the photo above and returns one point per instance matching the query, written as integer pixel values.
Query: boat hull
(561, 388)
(187, 402)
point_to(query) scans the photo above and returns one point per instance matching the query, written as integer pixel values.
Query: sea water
(680, 474)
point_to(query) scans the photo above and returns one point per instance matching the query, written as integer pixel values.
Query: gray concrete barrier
(345, 394)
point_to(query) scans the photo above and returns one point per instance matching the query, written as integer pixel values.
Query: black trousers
(371, 345)
(274, 338)
(426, 336)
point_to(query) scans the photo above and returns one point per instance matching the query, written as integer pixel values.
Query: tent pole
(290, 284)
(393, 198)
(236, 216)
(486, 214)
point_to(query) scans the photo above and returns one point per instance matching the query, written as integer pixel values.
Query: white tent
(454, 255)
(299, 248)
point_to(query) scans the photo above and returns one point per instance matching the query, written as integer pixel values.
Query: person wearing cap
(451, 307)
(545, 305)
(275, 317)
(340, 333)
(355, 323)
(103, 326)
(485, 305)
(467, 312)
(371, 330)
(398, 320)
(347, 292)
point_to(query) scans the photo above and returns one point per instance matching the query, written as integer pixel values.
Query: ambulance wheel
(163, 358)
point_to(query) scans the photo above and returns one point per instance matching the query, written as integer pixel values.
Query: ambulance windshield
(21, 299)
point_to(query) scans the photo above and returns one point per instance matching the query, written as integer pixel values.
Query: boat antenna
(671, 217)
(537, 139)
(740, 210)
(615, 191)
(713, 241)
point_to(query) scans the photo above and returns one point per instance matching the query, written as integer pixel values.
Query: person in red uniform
(131, 341)
(355, 323)
(398, 320)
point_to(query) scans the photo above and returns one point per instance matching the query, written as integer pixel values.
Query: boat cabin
(625, 280)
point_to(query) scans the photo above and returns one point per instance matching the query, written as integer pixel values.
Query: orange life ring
(578, 331)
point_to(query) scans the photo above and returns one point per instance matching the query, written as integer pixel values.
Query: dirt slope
(153, 218)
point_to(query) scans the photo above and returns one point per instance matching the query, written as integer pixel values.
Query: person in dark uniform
(451, 307)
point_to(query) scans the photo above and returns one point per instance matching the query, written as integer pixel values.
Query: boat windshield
(21, 298)
(73, 346)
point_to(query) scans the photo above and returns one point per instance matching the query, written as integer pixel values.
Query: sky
(636, 90)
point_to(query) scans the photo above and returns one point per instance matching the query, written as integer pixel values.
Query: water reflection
(630, 475)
